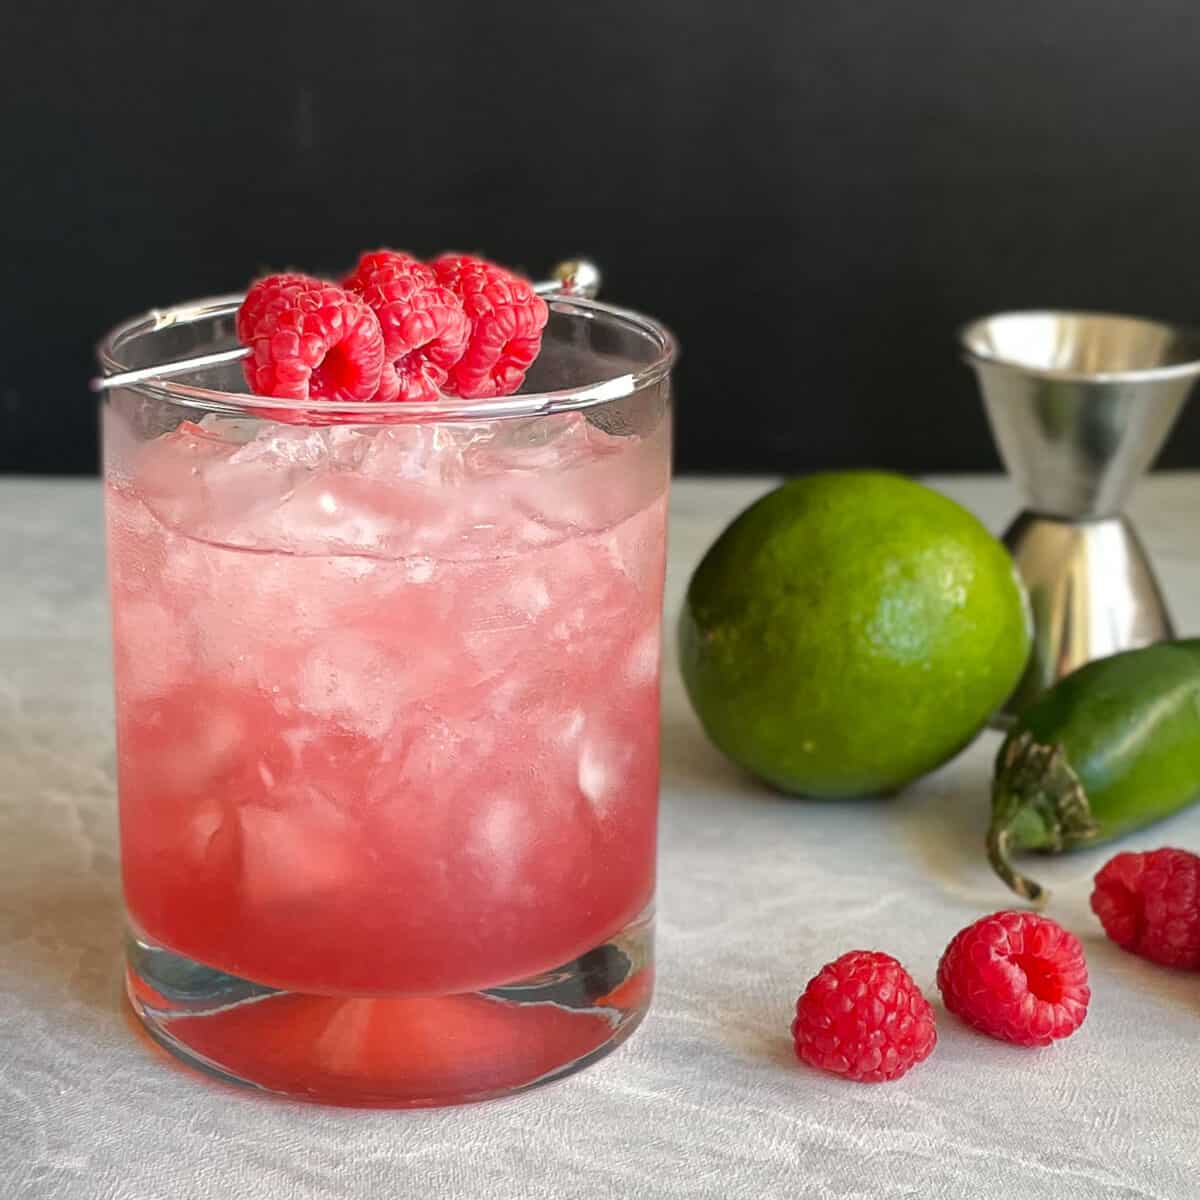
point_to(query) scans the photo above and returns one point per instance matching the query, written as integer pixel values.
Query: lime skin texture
(851, 631)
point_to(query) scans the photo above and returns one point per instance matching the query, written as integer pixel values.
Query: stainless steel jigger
(1080, 404)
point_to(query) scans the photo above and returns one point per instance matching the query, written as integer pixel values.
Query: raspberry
(425, 329)
(507, 318)
(266, 294)
(1149, 904)
(1016, 976)
(395, 262)
(862, 1017)
(310, 340)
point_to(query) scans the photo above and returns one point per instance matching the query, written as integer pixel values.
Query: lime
(851, 631)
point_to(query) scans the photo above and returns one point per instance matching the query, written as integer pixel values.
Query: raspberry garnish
(310, 340)
(387, 261)
(1017, 976)
(267, 294)
(507, 318)
(425, 329)
(1149, 904)
(862, 1017)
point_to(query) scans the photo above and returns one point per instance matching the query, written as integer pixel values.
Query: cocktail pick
(572, 277)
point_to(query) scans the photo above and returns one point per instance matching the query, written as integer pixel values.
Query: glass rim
(445, 408)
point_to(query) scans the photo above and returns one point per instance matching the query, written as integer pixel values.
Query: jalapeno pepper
(1108, 749)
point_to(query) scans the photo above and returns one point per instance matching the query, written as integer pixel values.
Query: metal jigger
(1080, 403)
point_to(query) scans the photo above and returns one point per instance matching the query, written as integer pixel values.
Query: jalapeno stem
(998, 842)
(1038, 803)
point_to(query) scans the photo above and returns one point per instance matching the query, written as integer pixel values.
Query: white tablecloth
(706, 1100)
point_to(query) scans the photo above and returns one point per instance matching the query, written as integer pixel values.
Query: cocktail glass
(387, 684)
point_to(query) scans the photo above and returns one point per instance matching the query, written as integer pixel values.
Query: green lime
(851, 631)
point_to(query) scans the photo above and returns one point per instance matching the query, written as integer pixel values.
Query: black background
(813, 195)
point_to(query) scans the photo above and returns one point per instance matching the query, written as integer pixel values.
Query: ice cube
(195, 755)
(300, 851)
(566, 729)
(585, 480)
(604, 760)
(457, 491)
(507, 695)
(211, 838)
(288, 446)
(234, 431)
(151, 650)
(531, 445)
(641, 663)
(419, 568)
(293, 488)
(297, 739)
(205, 822)
(500, 836)
(347, 679)
(437, 752)
(594, 773)
(528, 594)
(430, 453)
(336, 513)
(170, 474)
(253, 491)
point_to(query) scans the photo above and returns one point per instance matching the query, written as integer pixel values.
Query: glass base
(395, 1051)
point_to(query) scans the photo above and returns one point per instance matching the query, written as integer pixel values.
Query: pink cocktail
(387, 716)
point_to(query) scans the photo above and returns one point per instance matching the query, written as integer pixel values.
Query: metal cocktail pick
(572, 277)
(1080, 404)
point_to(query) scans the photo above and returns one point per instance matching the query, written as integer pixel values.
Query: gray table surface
(706, 1100)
